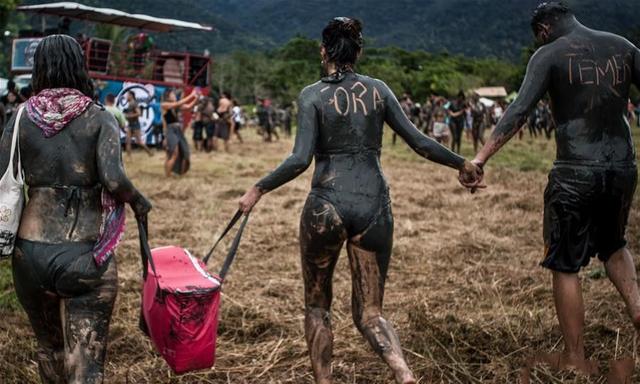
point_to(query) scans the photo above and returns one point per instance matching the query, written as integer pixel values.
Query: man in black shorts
(587, 74)
(223, 124)
(132, 113)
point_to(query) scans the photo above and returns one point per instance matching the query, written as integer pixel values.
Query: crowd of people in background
(449, 120)
(11, 98)
(214, 122)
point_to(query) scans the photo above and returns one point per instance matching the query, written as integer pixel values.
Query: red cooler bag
(180, 301)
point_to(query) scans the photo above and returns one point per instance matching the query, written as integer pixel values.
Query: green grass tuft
(8, 299)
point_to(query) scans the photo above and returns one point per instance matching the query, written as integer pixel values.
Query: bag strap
(145, 252)
(234, 245)
(15, 146)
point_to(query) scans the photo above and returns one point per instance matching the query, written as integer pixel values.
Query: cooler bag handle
(147, 259)
(234, 246)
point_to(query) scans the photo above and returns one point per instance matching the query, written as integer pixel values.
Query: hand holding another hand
(471, 175)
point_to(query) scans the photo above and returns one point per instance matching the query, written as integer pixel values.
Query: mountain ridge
(478, 28)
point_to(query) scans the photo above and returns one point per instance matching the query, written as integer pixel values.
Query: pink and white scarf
(52, 110)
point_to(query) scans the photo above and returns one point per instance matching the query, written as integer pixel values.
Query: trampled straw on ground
(464, 292)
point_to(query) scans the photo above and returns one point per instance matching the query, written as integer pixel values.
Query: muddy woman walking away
(64, 270)
(340, 122)
(593, 181)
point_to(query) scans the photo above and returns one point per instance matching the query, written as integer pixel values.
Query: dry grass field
(464, 291)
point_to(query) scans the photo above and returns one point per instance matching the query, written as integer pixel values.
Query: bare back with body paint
(589, 89)
(341, 122)
(587, 75)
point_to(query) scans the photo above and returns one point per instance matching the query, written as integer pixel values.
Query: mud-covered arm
(419, 142)
(111, 170)
(533, 88)
(303, 149)
(5, 144)
(3, 118)
(636, 67)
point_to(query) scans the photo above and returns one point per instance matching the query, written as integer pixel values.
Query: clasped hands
(471, 175)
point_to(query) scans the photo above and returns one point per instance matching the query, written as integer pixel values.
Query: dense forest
(282, 72)
(270, 48)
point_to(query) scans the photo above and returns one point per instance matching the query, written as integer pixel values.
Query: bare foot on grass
(405, 378)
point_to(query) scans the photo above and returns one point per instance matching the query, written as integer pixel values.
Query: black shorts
(157, 129)
(210, 128)
(198, 127)
(134, 127)
(222, 129)
(586, 210)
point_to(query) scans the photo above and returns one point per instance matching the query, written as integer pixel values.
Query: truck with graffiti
(136, 64)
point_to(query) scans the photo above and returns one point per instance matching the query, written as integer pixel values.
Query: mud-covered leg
(622, 273)
(620, 266)
(321, 238)
(43, 310)
(142, 144)
(369, 256)
(567, 294)
(86, 320)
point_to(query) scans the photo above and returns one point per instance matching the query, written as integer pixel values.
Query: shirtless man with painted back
(223, 125)
(587, 74)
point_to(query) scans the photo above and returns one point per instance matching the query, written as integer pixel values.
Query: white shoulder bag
(11, 195)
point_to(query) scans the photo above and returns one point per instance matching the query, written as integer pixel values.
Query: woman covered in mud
(340, 122)
(63, 266)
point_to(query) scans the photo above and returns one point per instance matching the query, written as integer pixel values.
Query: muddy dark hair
(343, 42)
(549, 12)
(59, 63)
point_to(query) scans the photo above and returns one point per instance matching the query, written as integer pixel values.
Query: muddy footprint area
(465, 292)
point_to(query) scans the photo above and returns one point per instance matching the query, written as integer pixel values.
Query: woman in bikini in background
(340, 122)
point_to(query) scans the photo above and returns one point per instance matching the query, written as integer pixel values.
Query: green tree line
(281, 74)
